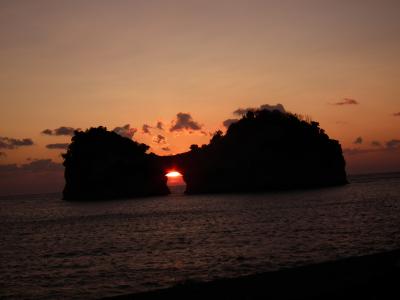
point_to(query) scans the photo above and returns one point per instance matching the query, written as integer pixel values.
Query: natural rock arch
(264, 150)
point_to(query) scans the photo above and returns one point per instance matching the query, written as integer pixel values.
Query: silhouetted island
(264, 150)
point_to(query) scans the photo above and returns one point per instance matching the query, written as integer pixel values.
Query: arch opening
(175, 181)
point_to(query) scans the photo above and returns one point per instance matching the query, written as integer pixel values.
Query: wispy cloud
(347, 101)
(11, 143)
(62, 130)
(57, 146)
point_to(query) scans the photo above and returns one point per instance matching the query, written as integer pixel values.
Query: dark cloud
(243, 111)
(62, 130)
(146, 128)
(37, 165)
(125, 131)
(57, 146)
(185, 121)
(396, 114)
(47, 132)
(159, 139)
(11, 143)
(392, 144)
(228, 122)
(358, 140)
(166, 149)
(376, 144)
(347, 101)
(160, 125)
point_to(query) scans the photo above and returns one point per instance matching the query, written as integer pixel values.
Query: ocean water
(52, 249)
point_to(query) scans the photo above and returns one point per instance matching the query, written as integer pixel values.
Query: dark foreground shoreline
(374, 276)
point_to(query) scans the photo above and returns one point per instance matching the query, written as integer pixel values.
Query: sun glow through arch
(173, 174)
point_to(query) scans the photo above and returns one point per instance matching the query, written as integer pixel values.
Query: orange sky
(111, 63)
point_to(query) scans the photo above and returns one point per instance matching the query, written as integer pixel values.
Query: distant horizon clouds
(35, 165)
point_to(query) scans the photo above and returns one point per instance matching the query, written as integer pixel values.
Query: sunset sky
(183, 67)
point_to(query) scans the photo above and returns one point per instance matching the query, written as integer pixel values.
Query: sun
(173, 174)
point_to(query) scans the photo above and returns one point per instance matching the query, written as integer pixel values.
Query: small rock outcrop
(101, 164)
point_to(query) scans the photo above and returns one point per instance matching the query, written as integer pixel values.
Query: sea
(54, 249)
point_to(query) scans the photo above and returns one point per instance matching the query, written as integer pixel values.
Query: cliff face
(100, 164)
(264, 150)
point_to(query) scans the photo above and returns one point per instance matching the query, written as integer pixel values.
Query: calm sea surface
(51, 248)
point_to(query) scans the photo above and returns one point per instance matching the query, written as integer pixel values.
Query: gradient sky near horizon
(89, 63)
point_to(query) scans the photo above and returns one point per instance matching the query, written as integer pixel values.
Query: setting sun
(173, 174)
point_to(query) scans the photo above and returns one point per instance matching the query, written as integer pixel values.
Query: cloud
(228, 122)
(243, 111)
(396, 114)
(159, 139)
(358, 140)
(125, 131)
(3, 154)
(37, 165)
(347, 101)
(11, 143)
(392, 144)
(166, 149)
(184, 121)
(160, 125)
(57, 146)
(62, 130)
(146, 128)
